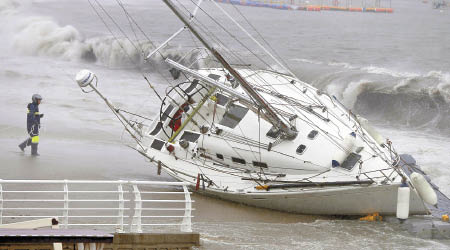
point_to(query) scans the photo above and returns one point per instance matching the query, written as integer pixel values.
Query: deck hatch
(350, 161)
(156, 129)
(214, 76)
(167, 112)
(233, 116)
(192, 86)
(221, 99)
(274, 132)
(157, 144)
(189, 136)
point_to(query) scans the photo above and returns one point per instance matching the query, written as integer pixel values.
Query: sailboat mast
(289, 132)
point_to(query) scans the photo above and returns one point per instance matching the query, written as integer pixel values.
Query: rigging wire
(163, 57)
(115, 23)
(262, 38)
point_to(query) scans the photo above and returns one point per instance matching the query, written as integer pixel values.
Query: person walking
(33, 125)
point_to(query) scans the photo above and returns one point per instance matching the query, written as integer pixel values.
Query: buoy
(403, 202)
(347, 147)
(372, 132)
(424, 188)
(84, 78)
(445, 217)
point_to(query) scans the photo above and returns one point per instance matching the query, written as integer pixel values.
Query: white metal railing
(136, 205)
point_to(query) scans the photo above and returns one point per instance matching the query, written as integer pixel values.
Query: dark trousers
(29, 142)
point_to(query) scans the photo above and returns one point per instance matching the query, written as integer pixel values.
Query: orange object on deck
(372, 217)
(262, 187)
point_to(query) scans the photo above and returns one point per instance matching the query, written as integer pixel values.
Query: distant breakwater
(284, 6)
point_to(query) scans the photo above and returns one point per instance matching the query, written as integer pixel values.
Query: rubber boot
(34, 148)
(24, 144)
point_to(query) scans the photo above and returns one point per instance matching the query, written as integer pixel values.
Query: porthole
(260, 164)
(238, 160)
(313, 134)
(301, 149)
(219, 156)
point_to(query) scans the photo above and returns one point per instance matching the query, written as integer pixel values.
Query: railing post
(1, 204)
(137, 211)
(186, 225)
(121, 209)
(66, 205)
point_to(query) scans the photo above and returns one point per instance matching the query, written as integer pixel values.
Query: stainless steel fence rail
(134, 206)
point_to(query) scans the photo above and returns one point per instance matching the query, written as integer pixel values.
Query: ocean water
(394, 69)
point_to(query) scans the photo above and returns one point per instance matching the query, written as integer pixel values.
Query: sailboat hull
(336, 201)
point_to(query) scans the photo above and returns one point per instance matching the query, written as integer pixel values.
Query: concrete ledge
(155, 240)
(94, 240)
(11, 236)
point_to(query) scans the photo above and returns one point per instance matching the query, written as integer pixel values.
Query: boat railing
(386, 178)
(123, 206)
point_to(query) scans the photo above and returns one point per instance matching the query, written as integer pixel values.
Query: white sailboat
(266, 139)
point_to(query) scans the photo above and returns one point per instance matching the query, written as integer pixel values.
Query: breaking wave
(421, 101)
(405, 98)
(43, 36)
(411, 99)
(8, 7)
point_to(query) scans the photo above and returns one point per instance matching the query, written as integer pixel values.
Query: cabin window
(274, 132)
(301, 149)
(238, 160)
(214, 76)
(156, 129)
(189, 136)
(350, 161)
(166, 112)
(260, 164)
(192, 86)
(221, 99)
(313, 134)
(233, 116)
(157, 144)
(219, 156)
